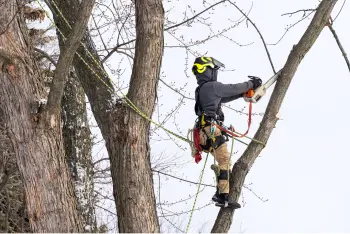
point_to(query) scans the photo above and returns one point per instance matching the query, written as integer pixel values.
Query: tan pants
(221, 154)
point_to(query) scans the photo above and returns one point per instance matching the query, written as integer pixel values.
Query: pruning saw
(255, 95)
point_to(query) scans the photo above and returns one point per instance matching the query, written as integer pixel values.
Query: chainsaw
(255, 95)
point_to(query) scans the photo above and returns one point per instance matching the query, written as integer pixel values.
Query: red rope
(249, 123)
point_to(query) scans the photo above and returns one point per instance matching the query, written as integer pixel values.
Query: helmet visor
(218, 64)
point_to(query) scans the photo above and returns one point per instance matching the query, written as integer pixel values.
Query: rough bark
(13, 214)
(125, 132)
(245, 162)
(78, 144)
(39, 151)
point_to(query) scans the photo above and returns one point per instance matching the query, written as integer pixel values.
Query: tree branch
(46, 55)
(184, 180)
(195, 16)
(256, 28)
(243, 165)
(330, 26)
(294, 12)
(66, 57)
(166, 29)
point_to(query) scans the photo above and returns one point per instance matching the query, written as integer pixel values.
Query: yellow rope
(195, 199)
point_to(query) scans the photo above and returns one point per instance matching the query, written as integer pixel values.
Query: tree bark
(245, 162)
(78, 145)
(13, 215)
(125, 132)
(39, 151)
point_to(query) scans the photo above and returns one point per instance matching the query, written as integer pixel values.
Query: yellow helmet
(201, 63)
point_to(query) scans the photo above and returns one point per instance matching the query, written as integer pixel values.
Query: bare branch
(99, 33)
(256, 28)
(291, 26)
(294, 12)
(46, 55)
(161, 208)
(181, 179)
(330, 26)
(341, 9)
(195, 16)
(166, 29)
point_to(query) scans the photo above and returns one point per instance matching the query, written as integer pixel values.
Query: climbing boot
(223, 200)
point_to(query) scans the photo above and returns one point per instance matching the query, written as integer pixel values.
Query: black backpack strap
(197, 107)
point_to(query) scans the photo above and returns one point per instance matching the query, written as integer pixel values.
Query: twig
(166, 29)
(99, 33)
(304, 11)
(330, 26)
(181, 179)
(46, 55)
(106, 210)
(100, 160)
(288, 28)
(161, 208)
(256, 195)
(256, 28)
(341, 9)
(185, 212)
(195, 16)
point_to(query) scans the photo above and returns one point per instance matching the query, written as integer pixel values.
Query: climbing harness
(196, 148)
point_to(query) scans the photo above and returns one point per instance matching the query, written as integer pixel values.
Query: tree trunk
(243, 165)
(39, 151)
(125, 132)
(78, 144)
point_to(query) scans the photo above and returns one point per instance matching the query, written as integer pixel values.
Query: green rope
(195, 199)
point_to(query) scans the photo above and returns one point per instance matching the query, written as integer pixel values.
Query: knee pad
(218, 141)
(223, 175)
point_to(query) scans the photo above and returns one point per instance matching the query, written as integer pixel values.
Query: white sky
(303, 170)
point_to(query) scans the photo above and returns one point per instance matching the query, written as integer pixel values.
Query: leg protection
(212, 143)
(223, 175)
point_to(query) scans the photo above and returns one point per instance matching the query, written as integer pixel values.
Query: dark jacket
(211, 93)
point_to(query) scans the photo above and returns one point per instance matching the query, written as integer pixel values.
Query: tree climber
(209, 95)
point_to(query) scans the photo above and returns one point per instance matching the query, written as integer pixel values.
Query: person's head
(206, 69)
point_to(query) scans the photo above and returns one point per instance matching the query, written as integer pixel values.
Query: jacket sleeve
(229, 91)
(228, 99)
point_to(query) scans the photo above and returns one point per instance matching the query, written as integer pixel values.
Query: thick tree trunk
(78, 144)
(243, 165)
(39, 151)
(125, 132)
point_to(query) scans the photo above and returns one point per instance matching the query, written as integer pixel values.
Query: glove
(257, 82)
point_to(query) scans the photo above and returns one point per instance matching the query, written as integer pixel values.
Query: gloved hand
(257, 82)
